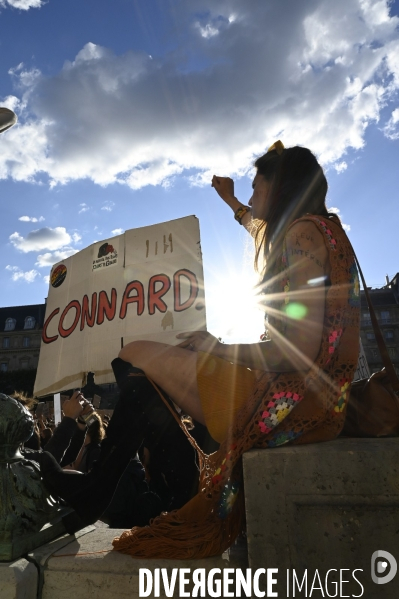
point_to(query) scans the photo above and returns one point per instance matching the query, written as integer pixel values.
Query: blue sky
(127, 108)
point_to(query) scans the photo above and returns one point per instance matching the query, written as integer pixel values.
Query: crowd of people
(148, 485)
(292, 387)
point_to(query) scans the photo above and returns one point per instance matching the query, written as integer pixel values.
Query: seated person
(290, 388)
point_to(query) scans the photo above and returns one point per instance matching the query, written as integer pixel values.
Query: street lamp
(8, 118)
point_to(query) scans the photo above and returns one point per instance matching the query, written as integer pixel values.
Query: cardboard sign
(57, 408)
(144, 284)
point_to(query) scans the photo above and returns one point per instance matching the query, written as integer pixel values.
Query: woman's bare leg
(174, 369)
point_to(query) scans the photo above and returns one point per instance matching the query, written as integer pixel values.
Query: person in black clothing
(91, 448)
(139, 415)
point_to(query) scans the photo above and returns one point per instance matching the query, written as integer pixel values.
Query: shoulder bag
(373, 406)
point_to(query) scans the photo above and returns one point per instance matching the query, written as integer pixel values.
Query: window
(3, 367)
(25, 363)
(26, 342)
(370, 336)
(391, 351)
(6, 342)
(384, 316)
(388, 334)
(374, 352)
(10, 324)
(29, 322)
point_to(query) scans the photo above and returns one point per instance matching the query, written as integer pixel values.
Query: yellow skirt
(223, 389)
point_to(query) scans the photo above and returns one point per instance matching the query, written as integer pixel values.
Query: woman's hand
(73, 407)
(224, 187)
(199, 341)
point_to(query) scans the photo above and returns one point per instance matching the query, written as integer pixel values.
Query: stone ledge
(111, 574)
(18, 580)
(322, 506)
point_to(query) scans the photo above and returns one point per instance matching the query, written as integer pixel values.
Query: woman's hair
(23, 398)
(298, 187)
(96, 430)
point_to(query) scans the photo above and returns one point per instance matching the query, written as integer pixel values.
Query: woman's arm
(304, 314)
(224, 187)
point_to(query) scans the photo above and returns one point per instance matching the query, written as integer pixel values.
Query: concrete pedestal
(18, 580)
(324, 506)
(313, 511)
(87, 567)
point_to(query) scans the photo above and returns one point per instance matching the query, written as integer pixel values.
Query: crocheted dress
(290, 407)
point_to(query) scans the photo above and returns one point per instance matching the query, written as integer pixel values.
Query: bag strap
(389, 367)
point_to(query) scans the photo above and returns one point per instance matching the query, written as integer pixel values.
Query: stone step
(88, 567)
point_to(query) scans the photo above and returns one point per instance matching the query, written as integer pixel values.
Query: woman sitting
(290, 388)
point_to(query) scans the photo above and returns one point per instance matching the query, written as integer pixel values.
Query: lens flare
(296, 311)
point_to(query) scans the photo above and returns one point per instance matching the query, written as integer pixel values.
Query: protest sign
(144, 284)
(57, 408)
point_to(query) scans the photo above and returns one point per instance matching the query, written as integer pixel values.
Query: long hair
(96, 430)
(298, 187)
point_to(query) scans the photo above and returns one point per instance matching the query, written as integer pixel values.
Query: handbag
(373, 406)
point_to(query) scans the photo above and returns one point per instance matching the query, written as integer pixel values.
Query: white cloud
(50, 258)
(17, 274)
(117, 231)
(340, 167)
(11, 102)
(31, 219)
(391, 129)
(41, 239)
(337, 211)
(207, 30)
(313, 72)
(21, 4)
(108, 206)
(83, 208)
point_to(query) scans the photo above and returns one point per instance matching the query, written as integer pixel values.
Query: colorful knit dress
(290, 407)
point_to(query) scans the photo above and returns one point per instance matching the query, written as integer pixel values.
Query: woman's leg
(174, 369)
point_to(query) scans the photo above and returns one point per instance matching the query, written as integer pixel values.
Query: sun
(233, 311)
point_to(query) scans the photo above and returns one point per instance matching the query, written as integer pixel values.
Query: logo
(107, 255)
(380, 560)
(105, 249)
(58, 275)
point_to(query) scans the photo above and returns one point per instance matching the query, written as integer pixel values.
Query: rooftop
(16, 318)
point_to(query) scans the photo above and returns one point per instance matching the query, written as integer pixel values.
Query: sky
(126, 108)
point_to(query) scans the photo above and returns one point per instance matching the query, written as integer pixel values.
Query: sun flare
(233, 309)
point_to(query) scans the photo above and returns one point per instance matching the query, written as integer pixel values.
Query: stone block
(324, 506)
(18, 580)
(88, 567)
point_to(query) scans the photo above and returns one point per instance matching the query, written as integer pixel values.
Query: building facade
(20, 336)
(385, 302)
